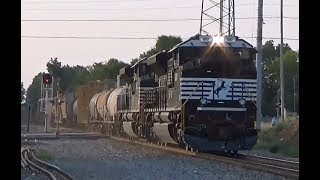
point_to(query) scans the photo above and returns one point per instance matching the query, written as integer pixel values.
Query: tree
(23, 92)
(34, 90)
(167, 42)
(150, 52)
(271, 76)
(54, 67)
(106, 70)
(133, 61)
(163, 42)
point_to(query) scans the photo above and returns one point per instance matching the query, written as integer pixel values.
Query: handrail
(183, 105)
(190, 95)
(248, 92)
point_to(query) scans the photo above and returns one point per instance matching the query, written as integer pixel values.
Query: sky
(36, 52)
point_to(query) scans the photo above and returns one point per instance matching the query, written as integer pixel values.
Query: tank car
(103, 110)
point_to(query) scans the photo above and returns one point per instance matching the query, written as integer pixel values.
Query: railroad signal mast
(57, 103)
(46, 96)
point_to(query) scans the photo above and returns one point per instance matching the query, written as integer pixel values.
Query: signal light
(47, 79)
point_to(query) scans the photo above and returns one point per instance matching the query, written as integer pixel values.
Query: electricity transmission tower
(222, 13)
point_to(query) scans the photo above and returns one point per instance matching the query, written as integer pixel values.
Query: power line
(132, 20)
(291, 39)
(113, 9)
(111, 20)
(248, 4)
(88, 37)
(125, 38)
(108, 9)
(69, 2)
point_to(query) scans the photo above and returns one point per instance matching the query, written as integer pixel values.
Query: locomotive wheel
(228, 153)
(235, 153)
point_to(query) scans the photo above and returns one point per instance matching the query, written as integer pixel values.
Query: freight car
(200, 94)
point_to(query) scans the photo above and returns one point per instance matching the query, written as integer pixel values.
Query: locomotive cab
(217, 87)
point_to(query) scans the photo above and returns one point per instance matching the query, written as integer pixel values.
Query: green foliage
(150, 52)
(43, 155)
(106, 70)
(33, 91)
(70, 77)
(167, 42)
(23, 92)
(133, 61)
(280, 127)
(271, 77)
(163, 43)
(290, 150)
(73, 76)
(278, 139)
(274, 148)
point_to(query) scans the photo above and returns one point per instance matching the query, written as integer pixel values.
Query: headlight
(203, 101)
(242, 102)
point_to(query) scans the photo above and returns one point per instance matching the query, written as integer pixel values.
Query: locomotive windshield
(218, 62)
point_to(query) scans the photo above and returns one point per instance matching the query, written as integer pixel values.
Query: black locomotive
(200, 94)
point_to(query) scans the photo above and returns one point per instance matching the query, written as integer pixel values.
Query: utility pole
(29, 116)
(281, 62)
(221, 18)
(259, 62)
(278, 103)
(46, 121)
(294, 93)
(201, 17)
(58, 105)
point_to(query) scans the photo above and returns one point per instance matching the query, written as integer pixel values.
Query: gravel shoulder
(34, 129)
(29, 175)
(109, 159)
(40, 129)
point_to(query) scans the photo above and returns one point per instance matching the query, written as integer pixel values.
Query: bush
(43, 155)
(290, 150)
(274, 148)
(280, 139)
(280, 127)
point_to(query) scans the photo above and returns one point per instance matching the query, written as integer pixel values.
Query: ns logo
(221, 89)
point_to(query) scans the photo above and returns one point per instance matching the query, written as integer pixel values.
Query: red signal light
(47, 79)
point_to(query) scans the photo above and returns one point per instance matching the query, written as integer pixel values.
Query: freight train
(200, 94)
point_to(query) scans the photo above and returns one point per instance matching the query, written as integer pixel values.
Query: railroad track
(28, 160)
(288, 169)
(293, 165)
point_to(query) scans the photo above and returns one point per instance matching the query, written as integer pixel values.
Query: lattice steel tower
(224, 10)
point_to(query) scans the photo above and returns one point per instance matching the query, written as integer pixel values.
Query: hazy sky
(36, 52)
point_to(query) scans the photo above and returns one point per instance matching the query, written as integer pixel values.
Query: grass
(43, 155)
(270, 139)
